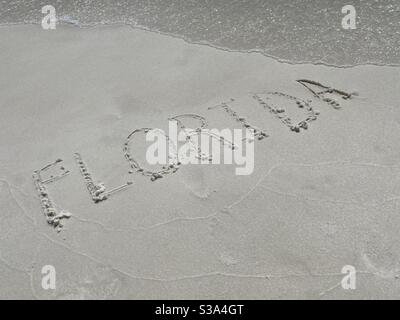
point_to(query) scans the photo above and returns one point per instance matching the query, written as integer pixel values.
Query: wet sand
(318, 199)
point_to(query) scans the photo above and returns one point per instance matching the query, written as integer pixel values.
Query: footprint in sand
(193, 178)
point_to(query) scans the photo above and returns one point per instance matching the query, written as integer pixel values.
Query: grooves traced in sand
(53, 217)
(326, 90)
(203, 124)
(198, 131)
(97, 191)
(281, 112)
(259, 133)
(154, 175)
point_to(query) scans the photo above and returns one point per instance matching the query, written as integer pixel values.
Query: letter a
(349, 20)
(49, 278)
(349, 280)
(49, 21)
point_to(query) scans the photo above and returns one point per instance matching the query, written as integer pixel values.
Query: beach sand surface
(317, 200)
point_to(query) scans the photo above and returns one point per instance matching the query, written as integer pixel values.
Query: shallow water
(291, 30)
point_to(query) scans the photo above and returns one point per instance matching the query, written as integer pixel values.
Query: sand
(318, 199)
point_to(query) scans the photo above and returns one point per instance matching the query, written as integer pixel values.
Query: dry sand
(317, 200)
